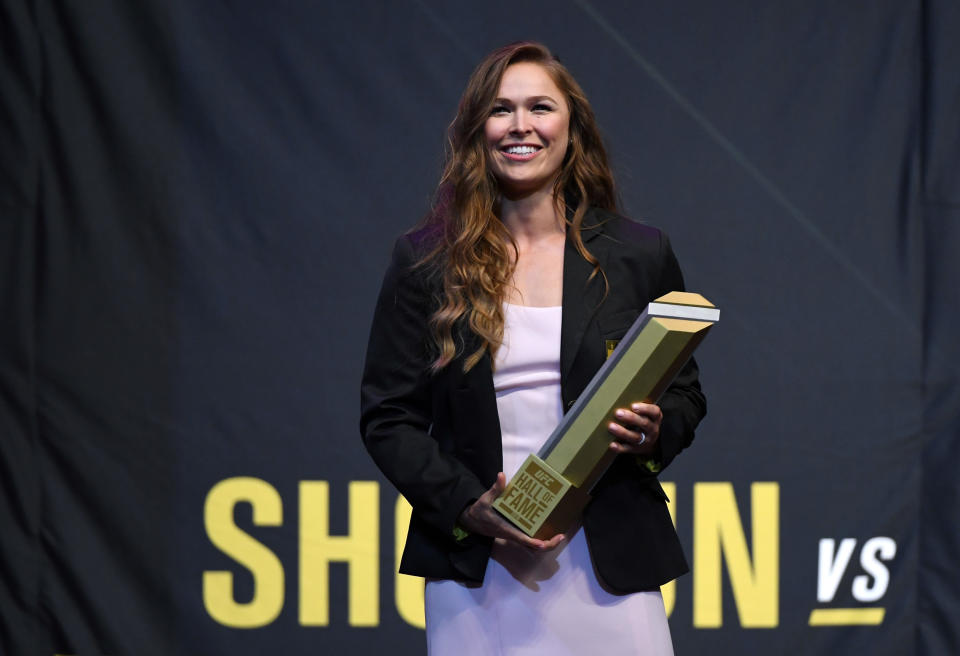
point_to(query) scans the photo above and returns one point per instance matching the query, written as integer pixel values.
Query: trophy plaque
(552, 487)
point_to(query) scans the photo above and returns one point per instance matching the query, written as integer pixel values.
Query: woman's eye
(540, 107)
(499, 110)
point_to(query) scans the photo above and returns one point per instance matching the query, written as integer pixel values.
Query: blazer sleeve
(396, 400)
(683, 404)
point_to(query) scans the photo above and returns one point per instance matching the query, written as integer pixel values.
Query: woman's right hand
(481, 518)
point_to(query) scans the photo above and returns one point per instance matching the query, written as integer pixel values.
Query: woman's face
(528, 130)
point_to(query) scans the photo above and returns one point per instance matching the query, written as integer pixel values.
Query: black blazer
(437, 436)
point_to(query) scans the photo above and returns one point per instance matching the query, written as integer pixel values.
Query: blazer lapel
(581, 294)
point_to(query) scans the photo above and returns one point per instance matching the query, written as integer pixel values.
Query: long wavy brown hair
(472, 252)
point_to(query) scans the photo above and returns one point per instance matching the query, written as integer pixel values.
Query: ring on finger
(643, 438)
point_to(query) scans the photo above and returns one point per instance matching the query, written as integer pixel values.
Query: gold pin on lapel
(611, 345)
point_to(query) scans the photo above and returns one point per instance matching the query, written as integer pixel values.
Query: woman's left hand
(636, 428)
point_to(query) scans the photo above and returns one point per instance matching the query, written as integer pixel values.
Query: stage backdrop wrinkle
(197, 204)
(20, 468)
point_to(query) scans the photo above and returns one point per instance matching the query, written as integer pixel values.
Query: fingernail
(621, 413)
(636, 406)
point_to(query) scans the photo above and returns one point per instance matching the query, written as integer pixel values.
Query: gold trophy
(552, 487)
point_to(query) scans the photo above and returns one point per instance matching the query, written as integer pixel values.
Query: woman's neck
(532, 218)
(538, 229)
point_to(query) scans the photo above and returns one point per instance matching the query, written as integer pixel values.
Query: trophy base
(539, 501)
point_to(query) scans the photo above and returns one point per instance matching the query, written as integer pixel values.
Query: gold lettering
(359, 549)
(543, 476)
(526, 483)
(529, 509)
(263, 564)
(718, 532)
(515, 498)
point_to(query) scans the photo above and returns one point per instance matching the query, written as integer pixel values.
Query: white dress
(543, 603)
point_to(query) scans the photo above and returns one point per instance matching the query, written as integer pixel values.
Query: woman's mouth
(520, 152)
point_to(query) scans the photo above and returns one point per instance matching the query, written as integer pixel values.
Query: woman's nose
(521, 122)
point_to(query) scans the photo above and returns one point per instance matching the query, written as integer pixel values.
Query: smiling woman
(492, 319)
(528, 131)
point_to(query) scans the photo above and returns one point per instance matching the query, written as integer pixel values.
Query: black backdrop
(197, 205)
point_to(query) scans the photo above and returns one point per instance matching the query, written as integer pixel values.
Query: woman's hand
(480, 518)
(637, 429)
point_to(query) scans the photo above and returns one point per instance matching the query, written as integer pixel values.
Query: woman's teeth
(521, 150)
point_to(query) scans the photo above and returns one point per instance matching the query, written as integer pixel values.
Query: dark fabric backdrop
(198, 200)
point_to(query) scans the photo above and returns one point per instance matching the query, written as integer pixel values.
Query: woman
(493, 317)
